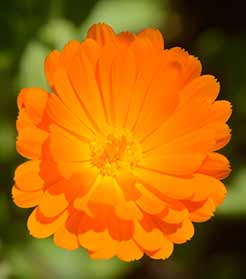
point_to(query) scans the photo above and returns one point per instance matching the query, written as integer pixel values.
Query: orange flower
(123, 152)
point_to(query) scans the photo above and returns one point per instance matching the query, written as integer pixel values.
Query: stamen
(119, 149)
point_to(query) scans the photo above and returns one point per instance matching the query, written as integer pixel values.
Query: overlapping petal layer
(123, 152)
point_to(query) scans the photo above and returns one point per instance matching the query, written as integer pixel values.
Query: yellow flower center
(118, 149)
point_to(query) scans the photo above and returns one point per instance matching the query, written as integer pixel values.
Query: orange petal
(218, 193)
(190, 66)
(52, 205)
(119, 229)
(26, 199)
(105, 190)
(126, 37)
(222, 134)
(154, 241)
(143, 50)
(78, 150)
(154, 35)
(68, 96)
(103, 254)
(52, 63)
(23, 120)
(205, 87)
(27, 177)
(65, 118)
(198, 141)
(101, 33)
(56, 60)
(128, 211)
(30, 141)
(175, 214)
(216, 165)
(43, 230)
(69, 51)
(148, 201)
(198, 187)
(63, 238)
(145, 75)
(201, 212)
(83, 81)
(165, 251)
(162, 96)
(128, 251)
(183, 234)
(126, 181)
(176, 164)
(123, 75)
(150, 241)
(180, 123)
(221, 112)
(49, 177)
(92, 50)
(169, 185)
(32, 103)
(108, 192)
(79, 178)
(78, 222)
(98, 241)
(103, 75)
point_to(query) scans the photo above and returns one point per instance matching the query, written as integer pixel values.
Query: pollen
(116, 150)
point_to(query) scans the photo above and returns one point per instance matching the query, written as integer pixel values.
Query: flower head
(123, 151)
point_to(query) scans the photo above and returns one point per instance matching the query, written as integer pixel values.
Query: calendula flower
(123, 151)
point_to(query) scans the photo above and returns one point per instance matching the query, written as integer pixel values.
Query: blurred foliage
(40, 259)
(216, 34)
(127, 14)
(235, 202)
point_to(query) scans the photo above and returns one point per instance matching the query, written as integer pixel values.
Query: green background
(212, 30)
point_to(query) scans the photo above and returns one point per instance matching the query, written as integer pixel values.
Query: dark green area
(212, 30)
